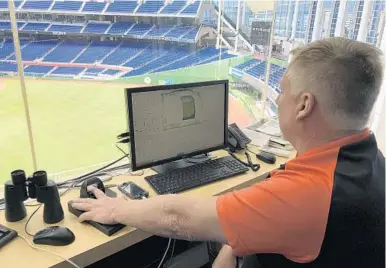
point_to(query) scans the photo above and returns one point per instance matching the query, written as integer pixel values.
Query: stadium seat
(123, 54)
(36, 5)
(8, 67)
(93, 71)
(71, 50)
(95, 52)
(111, 72)
(36, 49)
(67, 5)
(4, 4)
(67, 71)
(6, 25)
(140, 29)
(150, 7)
(174, 7)
(93, 7)
(191, 9)
(98, 28)
(178, 32)
(65, 28)
(6, 49)
(159, 31)
(191, 35)
(120, 28)
(36, 26)
(37, 70)
(144, 57)
(122, 7)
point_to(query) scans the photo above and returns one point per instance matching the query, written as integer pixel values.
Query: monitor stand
(187, 162)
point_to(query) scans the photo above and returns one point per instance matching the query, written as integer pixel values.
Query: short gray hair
(344, 75)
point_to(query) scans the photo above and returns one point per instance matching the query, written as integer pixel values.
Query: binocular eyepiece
(20, 188)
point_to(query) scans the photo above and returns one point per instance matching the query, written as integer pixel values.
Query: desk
(91, 245)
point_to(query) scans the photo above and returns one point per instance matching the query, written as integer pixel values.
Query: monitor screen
(168, 123)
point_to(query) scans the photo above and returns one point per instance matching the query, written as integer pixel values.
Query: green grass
(74, 122)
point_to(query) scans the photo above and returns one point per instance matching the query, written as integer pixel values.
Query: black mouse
(54, 236)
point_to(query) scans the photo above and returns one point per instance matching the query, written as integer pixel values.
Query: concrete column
(288, 22)
(317, 21)
(339, 29)
(295, 19)
(219, 23)
(365, 19)
(237, 24)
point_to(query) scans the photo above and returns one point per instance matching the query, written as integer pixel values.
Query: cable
(29, 218)
(127, 155)
(166, 252)
(171, 255)
(53, 253)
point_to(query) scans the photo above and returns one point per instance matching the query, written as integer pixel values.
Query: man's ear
(306, 103)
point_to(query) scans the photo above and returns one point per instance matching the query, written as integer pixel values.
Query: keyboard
(186, 178)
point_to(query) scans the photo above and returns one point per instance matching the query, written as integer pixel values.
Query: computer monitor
(173, 122)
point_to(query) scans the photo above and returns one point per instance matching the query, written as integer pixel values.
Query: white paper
(258, 138)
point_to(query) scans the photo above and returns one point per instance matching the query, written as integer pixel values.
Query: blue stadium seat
(141, 59)
(99, 28)
(35, 26)
(178, 31)
(246, 65)
(37, 5)
(159, 31)
(150, 7)
(8, 67)
(120, 28)
(37, 70)
(66, 28)
(140, 29)
(95, 52)
(67, 5)
(4, 4)
(6, 49)
(36, 49)
(191, 35)
(94, 71)
(93, 7)
(122, 7)
(6, 25)
(65, 52)
(192, 9)
(122, 54)
(68, 71)
(111, 72)
(174, 7)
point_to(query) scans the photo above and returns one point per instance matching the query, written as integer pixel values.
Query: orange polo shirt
(287, 213)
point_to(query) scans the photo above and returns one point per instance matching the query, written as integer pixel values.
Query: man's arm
(169, 215)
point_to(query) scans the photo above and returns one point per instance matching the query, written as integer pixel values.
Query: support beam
(295, 20)
(219, 23)
(238, 24)
(365, 19)
(339, 29)
(20, 70)
(318, 20)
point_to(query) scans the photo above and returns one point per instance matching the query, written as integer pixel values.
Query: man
(325, 208)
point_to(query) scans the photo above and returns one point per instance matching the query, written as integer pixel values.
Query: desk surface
(91, 245)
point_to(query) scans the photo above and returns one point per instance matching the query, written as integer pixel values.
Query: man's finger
(82, 206)
(85, 216)
(98, 193)
(82, 200)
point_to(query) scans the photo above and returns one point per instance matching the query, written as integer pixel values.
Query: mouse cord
(166, 252)
(29, 218)
(48, 251)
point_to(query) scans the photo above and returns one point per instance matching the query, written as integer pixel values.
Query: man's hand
(100, 209)
(225, 258)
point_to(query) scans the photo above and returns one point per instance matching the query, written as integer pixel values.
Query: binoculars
(19, 189)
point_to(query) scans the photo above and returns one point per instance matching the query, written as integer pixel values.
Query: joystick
(19, 188)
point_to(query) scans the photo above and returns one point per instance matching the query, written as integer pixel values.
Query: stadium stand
(174, 7)
(122, 7)
(4, 4)
(93, 7)
(8, 67)
(120, 28)
(65, 28)
(37, 70)
(6, 25)
(67, 5)
(71, 49)
(36, 5)
(66, 72)
(150, 7)
(191, 9)
(96, 28)
(35, 26)
(36, 50)
(140, 29)
(123, 53)
(95, 52)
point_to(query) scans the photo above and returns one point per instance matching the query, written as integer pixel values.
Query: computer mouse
(54, 236)
(266, 157)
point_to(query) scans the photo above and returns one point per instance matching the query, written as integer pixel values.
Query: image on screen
(175, 122)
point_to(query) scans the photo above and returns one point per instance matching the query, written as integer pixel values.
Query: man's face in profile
(286, 108)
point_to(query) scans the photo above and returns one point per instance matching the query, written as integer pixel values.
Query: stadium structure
(120, 39)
